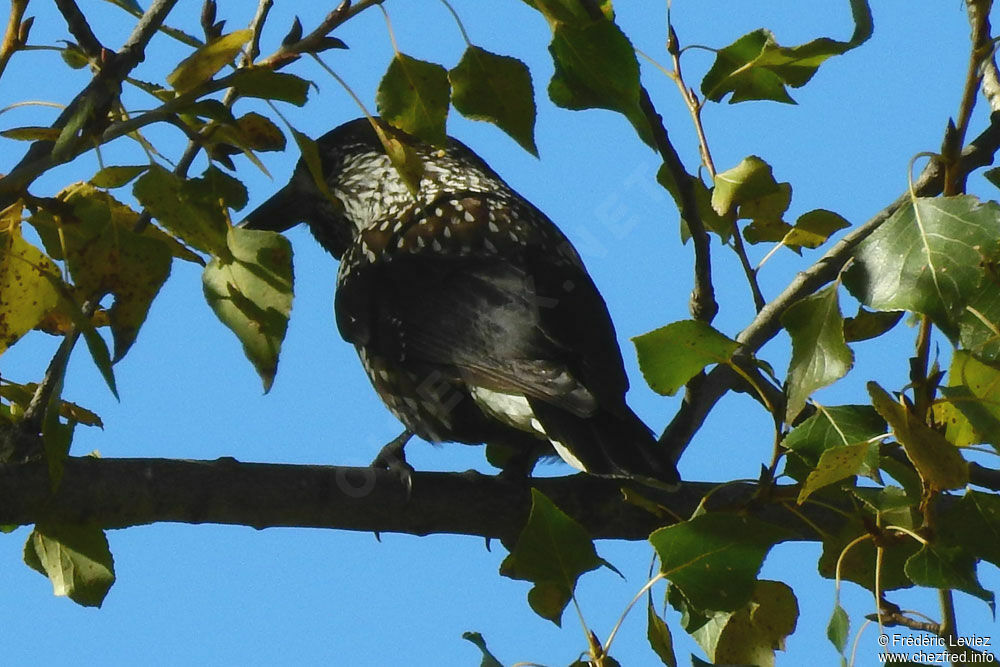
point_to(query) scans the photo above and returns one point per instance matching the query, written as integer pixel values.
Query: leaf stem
(461, 27)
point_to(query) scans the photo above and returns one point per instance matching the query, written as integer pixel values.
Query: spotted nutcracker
(473, 315)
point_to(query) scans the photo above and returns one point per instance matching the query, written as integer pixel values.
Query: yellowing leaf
(105, 256)
(202, 65)
(813, 228)
(747, 182)
(834, 465)
(27, 292)
(971, 413)
(402, 156)
(938, 462)
(751, 635)
(32, 133)
(76, 559)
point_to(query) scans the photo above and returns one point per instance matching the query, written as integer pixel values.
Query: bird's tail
(607, 444)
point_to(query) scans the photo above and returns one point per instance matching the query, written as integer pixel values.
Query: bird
(472, 313)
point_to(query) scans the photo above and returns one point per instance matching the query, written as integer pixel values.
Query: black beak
(282, 211)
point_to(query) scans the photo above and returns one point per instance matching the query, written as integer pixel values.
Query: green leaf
(974, 524)
(259, 133)
(927, 258)
(311, 157)
(209, 108)
(96, 346)
(820, 356)
(551, 552)
(751, 634)
(32, 133)
(202, 65)
(813, 228)
(75, 558)
(595, 68)
(887, 501)
(27, 290)
(993, 176)
(497, 89)
(859, 564)
(971, 413)
(488, 659)
(265, 83)
(187, 208)
(868, 324)
(672, 355)
(658, 634)
(568, 11)
(834, 465)
(251, 292)
(116, 177)
(756, 67)
(766, 230)
(74, 56)
(938, 462)
(747, 182)
(413, 96)
(937, 566)
(714, 558)
(71, 131)
(835, 426)
(703, 201)
(979, 322)
(839, 628)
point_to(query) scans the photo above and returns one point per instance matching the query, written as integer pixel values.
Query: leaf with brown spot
(27, 292)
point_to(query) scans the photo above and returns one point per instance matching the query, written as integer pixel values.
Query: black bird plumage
(473, 315)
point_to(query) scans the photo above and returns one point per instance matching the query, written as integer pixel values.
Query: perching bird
(473, 315)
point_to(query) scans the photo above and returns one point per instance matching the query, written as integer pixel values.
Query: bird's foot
(392, 457)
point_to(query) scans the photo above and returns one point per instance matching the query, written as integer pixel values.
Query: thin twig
(954, 139)
(892, 619)
(695, 106)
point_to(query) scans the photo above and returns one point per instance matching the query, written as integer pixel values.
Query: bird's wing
(521, 320)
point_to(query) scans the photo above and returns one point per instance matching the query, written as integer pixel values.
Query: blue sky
(228, 595)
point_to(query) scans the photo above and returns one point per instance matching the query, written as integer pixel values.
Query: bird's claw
(392, 457)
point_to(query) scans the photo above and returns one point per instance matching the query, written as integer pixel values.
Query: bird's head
(365, 188)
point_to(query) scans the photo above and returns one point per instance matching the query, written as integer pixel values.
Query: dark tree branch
(703, 304)
(117, 493)
(79, 27)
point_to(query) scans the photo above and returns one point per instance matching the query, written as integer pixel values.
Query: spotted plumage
(472, 314)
